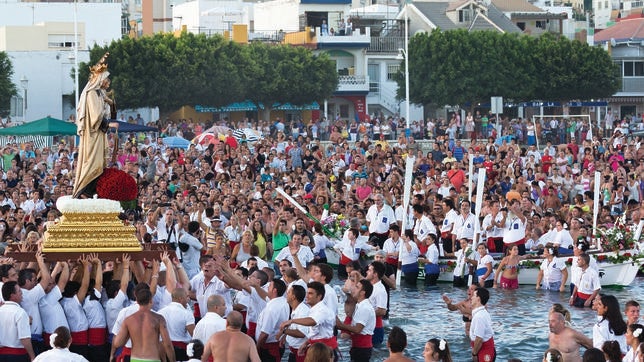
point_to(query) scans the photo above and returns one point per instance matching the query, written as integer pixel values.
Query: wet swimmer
(464, 306)
(508, 270)
(231, 344)
(565, 339)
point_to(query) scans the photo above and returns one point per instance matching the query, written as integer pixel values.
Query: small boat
(611, 273)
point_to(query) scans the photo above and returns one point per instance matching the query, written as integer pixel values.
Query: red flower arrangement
(601, 257)
(446, 267)
(116, 185)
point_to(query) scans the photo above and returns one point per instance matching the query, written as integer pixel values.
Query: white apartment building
(40, 41)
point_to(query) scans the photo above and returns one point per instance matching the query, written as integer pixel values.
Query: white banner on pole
(479, 202)
(597, 196)
(409, 174)
(469, 179)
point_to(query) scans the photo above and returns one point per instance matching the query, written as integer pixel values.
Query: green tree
(7, 88)
(569, 70)
(457, 67)
(169, 72)
(288, 74)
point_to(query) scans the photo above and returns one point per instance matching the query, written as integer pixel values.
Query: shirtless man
(231, 345)
(464, 306)
(397, 342)
(566, 339)
(145, 345)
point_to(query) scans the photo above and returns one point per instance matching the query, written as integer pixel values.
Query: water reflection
(519, 317)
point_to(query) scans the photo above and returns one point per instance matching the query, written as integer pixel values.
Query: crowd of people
(251, 279)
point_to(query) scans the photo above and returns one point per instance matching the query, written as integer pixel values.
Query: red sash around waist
(97, 336)
(361, 341)
(487, 351)
(126, 351)
(181, 345)
(583, 296)
(8, 351)
(80, 338)
(392, 261)
(197, 311)
(273, 349)
(344, 260)
(331, 341)
(379, 323)
(518, 242)
(252, 326)
(298, 358)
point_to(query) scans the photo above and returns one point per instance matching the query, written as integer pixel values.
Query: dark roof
(482, 23)
(435, 12)
(497, 17)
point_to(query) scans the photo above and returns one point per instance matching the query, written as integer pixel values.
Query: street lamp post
(404, 53)
(24, 82)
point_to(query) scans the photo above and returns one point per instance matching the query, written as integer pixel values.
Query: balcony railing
(353, 83)
(633, 84)
(359, 35)
(389, 44)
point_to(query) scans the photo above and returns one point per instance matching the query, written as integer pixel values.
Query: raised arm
(154, 279)
(125, 274)
(45, 276)
(98, 271)
(183, 278)
(64, 274)
(224, 273)
(301, 271)
(276, 227)
(82, 292)
(170, 275)
(139, 270)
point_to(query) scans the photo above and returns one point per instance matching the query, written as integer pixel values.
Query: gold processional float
(92, 225)
(89, 226)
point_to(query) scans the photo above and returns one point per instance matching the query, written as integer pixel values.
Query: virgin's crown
(101, 66)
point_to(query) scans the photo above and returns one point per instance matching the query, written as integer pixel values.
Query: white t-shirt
(324, 322)
(302, 311)
(364, 314)
(552, 270)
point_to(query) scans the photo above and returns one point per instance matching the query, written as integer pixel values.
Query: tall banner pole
(597, 195)
(409, 173)
(480, 185)
(469, 179)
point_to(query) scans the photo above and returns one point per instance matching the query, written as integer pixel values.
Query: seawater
(519, 317)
